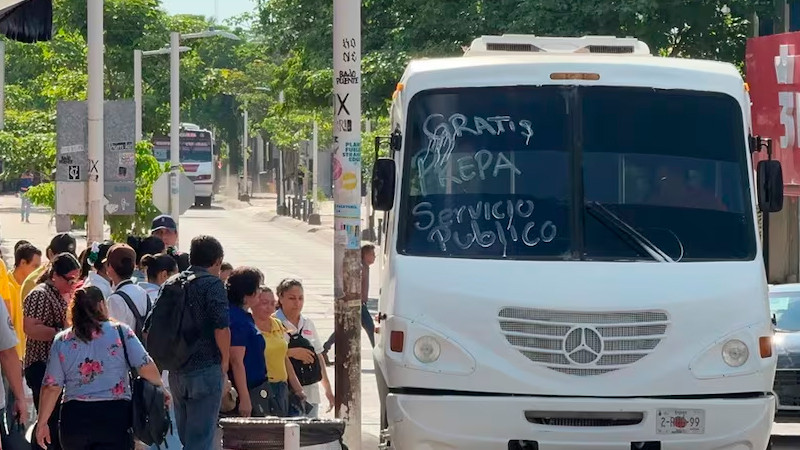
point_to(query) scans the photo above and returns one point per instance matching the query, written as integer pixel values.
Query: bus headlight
(427, 349)
(735, 353)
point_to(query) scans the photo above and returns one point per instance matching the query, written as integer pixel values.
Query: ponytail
(86, 315)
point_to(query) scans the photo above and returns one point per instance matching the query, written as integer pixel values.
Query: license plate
(680, 421)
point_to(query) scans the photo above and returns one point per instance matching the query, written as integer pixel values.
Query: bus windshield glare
(576, 173)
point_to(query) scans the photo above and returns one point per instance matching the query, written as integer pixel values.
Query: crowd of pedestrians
(76, 328)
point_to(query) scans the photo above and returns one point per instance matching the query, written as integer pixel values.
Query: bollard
(291, 436)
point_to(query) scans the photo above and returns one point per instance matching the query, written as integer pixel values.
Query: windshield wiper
(635, 239)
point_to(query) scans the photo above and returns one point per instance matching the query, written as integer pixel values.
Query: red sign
(190, 167)
(773, 74)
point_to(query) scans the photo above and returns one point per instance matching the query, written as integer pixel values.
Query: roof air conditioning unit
(522, 44)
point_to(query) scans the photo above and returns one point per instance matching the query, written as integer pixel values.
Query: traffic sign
(161, 192)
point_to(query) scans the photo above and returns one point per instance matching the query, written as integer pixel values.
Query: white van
(572, 258)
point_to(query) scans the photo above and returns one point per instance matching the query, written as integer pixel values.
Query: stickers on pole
(74, 169)
(347, 135)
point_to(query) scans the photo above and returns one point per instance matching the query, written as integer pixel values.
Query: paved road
(282, 248)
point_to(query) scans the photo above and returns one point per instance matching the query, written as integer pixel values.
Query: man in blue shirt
(197, 386)
(25, 183)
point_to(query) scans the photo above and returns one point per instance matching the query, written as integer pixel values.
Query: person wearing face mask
(45, 315)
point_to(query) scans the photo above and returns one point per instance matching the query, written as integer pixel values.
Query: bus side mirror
(383, 179)
(769, 178)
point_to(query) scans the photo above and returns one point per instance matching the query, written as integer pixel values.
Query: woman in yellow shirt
(279, 369)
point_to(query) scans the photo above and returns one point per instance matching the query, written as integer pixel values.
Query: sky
(227, 8)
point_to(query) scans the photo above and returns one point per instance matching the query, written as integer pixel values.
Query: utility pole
(137, 91)
(245, 143)
(94, 21)
(313, 218)
(347, 214)
(175, 125)
(370, 234)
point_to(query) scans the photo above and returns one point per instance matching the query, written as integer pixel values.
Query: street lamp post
(175, 110)
(174, 50)
(175, 124)
(137, 82)
(137, 91)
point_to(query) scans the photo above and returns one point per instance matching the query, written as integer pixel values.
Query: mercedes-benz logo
(583, 345)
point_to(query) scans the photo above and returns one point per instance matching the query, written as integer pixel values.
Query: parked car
(784, 302)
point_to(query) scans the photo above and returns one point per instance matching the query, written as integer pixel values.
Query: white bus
(198, 157)
(572, 257)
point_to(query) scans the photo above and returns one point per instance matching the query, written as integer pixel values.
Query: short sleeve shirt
(208, 303)
(30, 283)
(309, 331)
(245, 334)
(275, 351)
(95, 370)
(8, 339)
(14, 303)
(46, 304)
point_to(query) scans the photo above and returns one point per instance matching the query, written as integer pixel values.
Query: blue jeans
(366, 322)
(197, 396)
(279, 404)
(25, 207)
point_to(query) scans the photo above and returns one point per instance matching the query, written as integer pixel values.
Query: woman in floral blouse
(88, 362)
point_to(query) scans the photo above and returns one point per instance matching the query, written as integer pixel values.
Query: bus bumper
(423, 422)
(203, 189)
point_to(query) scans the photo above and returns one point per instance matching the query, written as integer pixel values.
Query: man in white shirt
(129, 303)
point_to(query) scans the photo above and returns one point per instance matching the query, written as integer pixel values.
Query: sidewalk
(38, 232)
(269, 203)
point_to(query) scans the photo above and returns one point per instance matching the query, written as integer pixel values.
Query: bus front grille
(583, 343)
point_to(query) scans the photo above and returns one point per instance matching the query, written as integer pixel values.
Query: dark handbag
(307, 374)
(260, 398)
(151, 421)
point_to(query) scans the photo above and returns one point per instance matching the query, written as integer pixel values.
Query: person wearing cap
(61, 243)
(120, 263)
(164, 227)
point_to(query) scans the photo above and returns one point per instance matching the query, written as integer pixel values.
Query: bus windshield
(194, 149)
(520, 172)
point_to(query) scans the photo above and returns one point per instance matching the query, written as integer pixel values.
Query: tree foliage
(286, 48)
(299, 33)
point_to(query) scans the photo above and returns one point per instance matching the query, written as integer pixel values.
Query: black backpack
(307, 374)
(151, 421)
(171, 331)
(139, 328)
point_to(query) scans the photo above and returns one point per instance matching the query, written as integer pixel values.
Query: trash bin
(266, 433)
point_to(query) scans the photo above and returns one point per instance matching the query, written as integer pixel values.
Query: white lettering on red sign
(788, 100)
